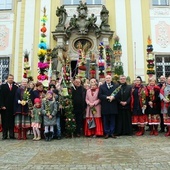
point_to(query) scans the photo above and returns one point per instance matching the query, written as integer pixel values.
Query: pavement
(123, 153)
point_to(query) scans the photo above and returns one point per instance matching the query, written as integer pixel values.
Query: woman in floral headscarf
(153, 106)
(138, 105)
(165, 104)
(93, 109)
(22, 119)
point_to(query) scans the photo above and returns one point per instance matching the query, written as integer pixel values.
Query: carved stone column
(61, 39)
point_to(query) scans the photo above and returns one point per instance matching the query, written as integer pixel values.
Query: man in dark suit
(162, 82)
(124, 118)
(108, 106)
(78, 98)
(7, 98)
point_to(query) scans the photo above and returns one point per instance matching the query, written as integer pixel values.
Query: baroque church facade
(91, 21)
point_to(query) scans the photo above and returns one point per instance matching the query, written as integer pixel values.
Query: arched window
(75, 2)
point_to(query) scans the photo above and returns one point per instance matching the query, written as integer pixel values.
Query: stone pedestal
(105, 36)
(61, 39)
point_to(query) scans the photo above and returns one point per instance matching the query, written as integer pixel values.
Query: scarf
(141, 90)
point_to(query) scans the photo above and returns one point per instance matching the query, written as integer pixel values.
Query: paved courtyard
(124, 153)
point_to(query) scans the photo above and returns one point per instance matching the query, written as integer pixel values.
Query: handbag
(91, 123)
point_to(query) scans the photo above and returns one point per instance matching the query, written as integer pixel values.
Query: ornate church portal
(81, 27)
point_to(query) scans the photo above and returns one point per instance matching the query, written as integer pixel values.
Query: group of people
(116, 108)
(28, 107)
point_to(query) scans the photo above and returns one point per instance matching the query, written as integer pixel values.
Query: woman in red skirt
(138, 105)
(153, 106)
(93, 109)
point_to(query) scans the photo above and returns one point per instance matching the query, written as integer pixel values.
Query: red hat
(37, 100)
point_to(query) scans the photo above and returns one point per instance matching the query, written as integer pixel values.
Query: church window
(162, 65)
(75, 2)
(160, 2)
(5, 4)
(4, 68)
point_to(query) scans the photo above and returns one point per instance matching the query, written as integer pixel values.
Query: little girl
(49, 110)
(36, 119)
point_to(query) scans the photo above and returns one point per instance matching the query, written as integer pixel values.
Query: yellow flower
(42, 52)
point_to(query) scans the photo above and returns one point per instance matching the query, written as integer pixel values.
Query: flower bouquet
(151, 96)
(116, 91)
(25, 98)
(93, 110)
(143, 97)
(168, 97)
(47, 108)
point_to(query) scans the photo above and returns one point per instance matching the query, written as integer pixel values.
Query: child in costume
(49, 110)
(36, 119)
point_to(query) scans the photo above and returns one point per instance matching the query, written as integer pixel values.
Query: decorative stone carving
(82, 23)
(62, 14)
(162, 36)
(82, 10)
(4, 37)
(104, 15)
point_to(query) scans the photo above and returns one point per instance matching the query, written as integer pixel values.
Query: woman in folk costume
(165, 103)
(93, 107)
(139, 96)
(22, 118)
(153, 106)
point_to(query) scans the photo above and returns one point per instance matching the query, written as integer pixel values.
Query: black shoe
(12, 137)
(4, 138)
(46, 135)
(113, 136)
(106, 136)
(59, 138)
(162, 130)
(50, 136)
(78, 135)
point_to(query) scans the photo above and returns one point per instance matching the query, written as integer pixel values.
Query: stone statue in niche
(104, 16)
(62, 14)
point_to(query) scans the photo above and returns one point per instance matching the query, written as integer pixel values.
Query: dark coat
(78, 99)
(35, 94)
(125, 96)
(19, 109)
(156, 108)
(7, 97)
(108, 107)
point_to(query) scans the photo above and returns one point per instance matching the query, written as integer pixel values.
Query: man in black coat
(7, 98)
(124, 118)
(109, 107)
(78, 98)
(162, 82)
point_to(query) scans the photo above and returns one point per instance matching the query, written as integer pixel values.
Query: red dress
(139, 96)
(92, 98)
